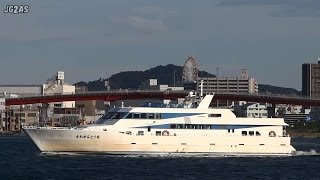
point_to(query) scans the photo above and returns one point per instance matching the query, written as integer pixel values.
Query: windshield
(111, 116)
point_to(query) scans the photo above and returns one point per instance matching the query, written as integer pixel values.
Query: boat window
(251, 133)
(136, 115)
(150, 116)
(173, 126)
(111, 116)
(157, 116)
(232, 130)
(140, 133)
(128, 132)
(189, 126)
(214, 115)
(180, 126)
(244, 133)
(158, 133)
(257, 133)
(228, 130)
(129, 116)
(143, 116)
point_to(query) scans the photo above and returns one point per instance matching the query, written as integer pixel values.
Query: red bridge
(120, 95)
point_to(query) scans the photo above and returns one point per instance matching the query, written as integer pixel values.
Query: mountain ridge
(165, 75)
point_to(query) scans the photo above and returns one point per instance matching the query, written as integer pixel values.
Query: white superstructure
(178, 129)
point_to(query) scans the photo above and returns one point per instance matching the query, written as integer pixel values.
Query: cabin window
(128, 132)
(136, 115)
(189, 126)
(149, 128)
(173, 126)
(150, 116)
(214, 115)
(228, 130)
(180, 126)
(157, 116)
(140, 133)
(143, 116)
(158, 133)
(129, 116)
(251, 133)
(111, 116)
(244, 133)
(232, 130)
(257, 133)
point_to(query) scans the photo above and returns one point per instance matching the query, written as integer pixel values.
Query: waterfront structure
(152, 84)
(26, 116)
(311, 79)
(2, 114)
(236, 84)
(22, 90)
(57, 85)
(292, 114)
(181, 128)
(252, 110)
(311, 84)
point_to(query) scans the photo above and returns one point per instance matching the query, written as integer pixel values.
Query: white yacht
(186, 128)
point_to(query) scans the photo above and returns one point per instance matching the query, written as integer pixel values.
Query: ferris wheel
(190, 70)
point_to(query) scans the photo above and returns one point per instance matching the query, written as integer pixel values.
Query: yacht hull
(115, 142)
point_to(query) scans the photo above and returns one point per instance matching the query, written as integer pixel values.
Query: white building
(236, 84)
(152, 84)
(252, 110)
(57, 85)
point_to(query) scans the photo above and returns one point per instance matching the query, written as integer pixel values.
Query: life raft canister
(165, 133)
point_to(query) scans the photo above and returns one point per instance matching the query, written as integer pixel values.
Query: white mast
(201, 90)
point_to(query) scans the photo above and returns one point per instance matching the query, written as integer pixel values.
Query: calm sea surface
(20, 159)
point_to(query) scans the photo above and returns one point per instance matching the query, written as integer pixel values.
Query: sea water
(20, 159)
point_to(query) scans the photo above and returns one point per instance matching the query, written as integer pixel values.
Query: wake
(312, 152)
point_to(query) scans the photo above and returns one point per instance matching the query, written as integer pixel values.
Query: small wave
(61, 153)
(312, 152)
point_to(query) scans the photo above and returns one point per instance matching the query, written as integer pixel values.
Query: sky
(98, 38)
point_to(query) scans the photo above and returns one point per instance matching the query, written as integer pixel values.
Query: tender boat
(184, 128)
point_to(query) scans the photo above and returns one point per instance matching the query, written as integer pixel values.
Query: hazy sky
(86, 39)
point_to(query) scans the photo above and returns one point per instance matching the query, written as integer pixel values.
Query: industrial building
(235, 84)
(22, 90)
(38, 113)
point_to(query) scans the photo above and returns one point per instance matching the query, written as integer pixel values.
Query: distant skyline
(93, 39)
